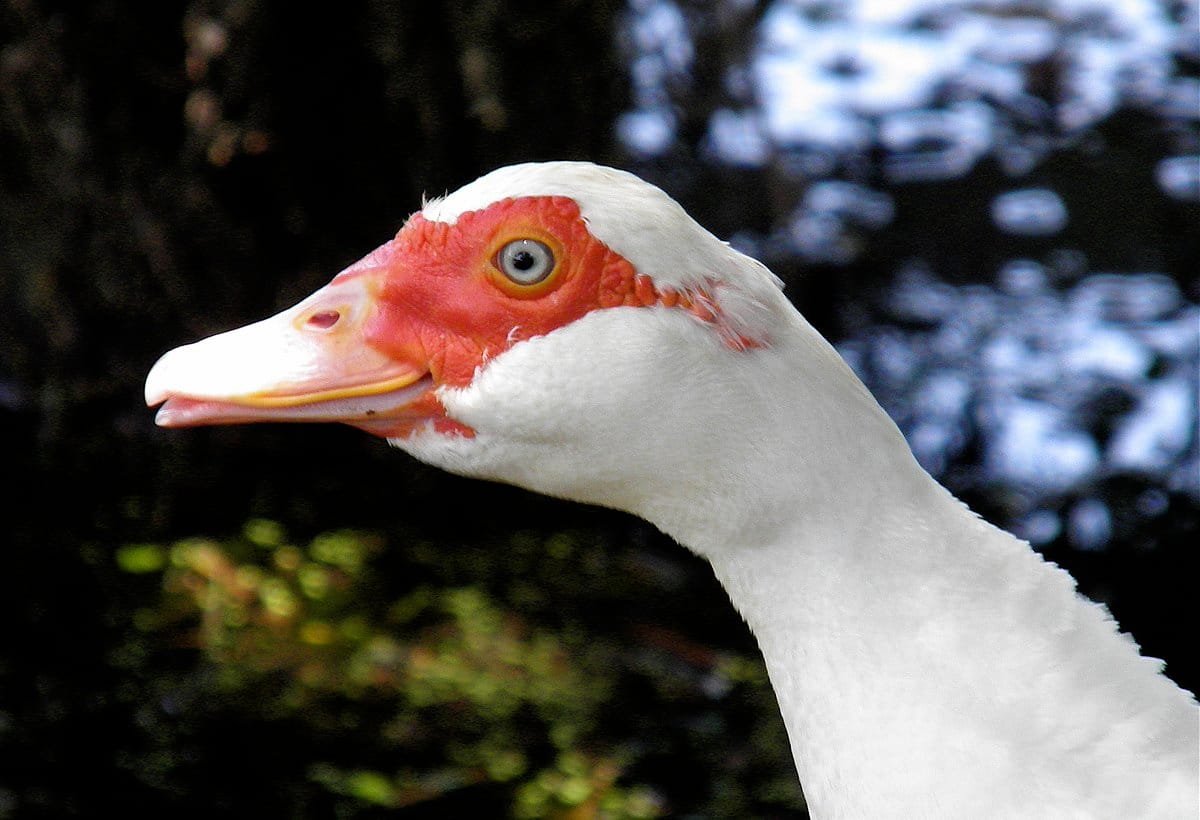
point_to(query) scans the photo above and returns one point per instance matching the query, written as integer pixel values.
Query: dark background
(170, 170)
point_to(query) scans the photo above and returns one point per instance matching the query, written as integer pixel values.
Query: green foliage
(473, 693)
(468, 673)
(141, 558)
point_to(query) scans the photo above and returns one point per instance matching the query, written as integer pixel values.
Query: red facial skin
(445, 302)
(436, 301)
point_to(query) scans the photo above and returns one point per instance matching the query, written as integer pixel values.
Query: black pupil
(523, 260)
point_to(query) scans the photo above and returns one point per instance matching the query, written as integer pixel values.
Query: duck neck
(857, 630)
(924, 660)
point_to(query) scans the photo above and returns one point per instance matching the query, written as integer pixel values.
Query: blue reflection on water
(1060, 389)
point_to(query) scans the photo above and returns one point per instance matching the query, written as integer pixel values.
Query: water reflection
(1061, 388)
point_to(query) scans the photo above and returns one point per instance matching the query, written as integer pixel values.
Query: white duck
(570, 329)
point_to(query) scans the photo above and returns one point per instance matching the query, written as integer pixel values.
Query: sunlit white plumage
(927, 664)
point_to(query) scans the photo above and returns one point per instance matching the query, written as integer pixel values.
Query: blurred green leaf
(141, 558)
(371, 787)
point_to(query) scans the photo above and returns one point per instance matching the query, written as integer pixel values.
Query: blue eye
(525, 261)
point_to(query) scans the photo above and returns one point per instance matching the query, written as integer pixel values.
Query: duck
(570, 329)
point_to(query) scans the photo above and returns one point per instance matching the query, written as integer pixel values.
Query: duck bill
(311, 363)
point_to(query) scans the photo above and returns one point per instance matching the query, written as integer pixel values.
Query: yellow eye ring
(526, 267)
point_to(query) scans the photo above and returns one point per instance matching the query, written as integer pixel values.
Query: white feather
(927, 664)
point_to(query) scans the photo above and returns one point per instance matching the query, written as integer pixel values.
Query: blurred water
(939, 83)
(1025, 368)
(1180, 176)
(1030, 212)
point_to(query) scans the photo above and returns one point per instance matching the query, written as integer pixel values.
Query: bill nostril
(323, 319)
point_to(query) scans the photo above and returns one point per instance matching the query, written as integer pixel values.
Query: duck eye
(525, 261)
